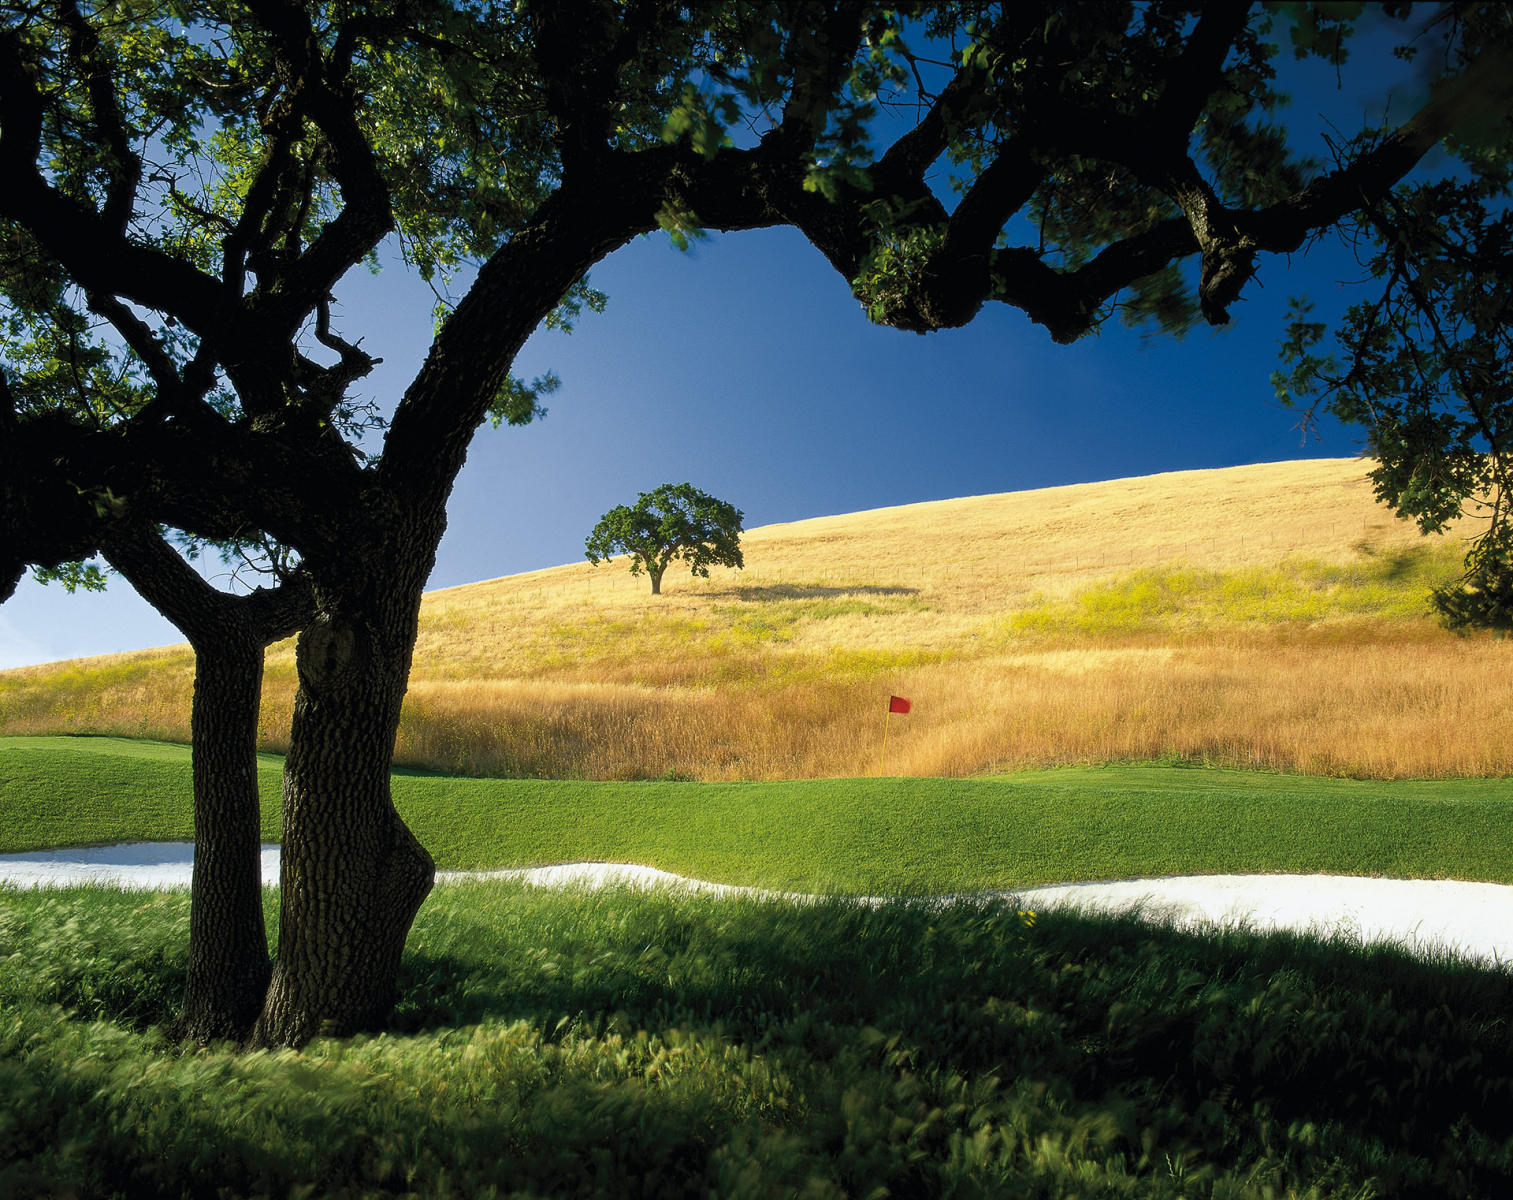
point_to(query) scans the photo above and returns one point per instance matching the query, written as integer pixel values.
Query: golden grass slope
(1269, 616)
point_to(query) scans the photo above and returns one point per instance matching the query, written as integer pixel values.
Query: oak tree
(674, 522)
(188, 181)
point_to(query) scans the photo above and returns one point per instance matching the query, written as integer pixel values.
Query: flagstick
(881, 762)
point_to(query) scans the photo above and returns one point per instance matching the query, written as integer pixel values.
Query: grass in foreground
(869, 836)
(628, 1045)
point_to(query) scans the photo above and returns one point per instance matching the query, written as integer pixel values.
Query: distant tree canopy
(675, 522)
(184, 184)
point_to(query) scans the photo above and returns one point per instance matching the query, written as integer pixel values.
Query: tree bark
(352, 876)
(228, 943)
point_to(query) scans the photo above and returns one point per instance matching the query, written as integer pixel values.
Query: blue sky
(745, 367)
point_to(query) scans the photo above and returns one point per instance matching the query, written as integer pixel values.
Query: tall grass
(1267, 617)
(635, 1045)
(141, 694)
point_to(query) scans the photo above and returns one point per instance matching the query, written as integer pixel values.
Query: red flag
(897, 704)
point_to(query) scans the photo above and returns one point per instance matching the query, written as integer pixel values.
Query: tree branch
(1067, 303)
(366, 215)
(1486, 87)
(20, 108)
(527, 277)
(64, 484)
(576, 48)
(135, 333)
(204, 614)
(249, 240)
(963, 267)
(819, 66)
(912, 153)
(96, 254)
(513, 292)
(84, 45)
(1199, 70)
(355, 361)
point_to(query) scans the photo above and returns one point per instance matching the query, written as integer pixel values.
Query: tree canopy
(192, 178)
(187, 181)
(674, 522)
(1423, 362)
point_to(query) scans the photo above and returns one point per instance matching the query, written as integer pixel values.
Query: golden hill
(1271, 616)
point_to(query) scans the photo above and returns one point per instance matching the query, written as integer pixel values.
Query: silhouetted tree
(186, 183)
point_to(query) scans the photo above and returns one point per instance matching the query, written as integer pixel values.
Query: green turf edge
(845, 835)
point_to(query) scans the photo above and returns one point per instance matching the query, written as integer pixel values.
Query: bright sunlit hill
(1271, 616)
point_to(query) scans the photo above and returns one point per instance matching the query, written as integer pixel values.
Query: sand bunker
(1474, 920)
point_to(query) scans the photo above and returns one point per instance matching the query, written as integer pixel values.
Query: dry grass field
(1271, 616)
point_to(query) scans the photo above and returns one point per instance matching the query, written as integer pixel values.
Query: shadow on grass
(413, 772)
(1126, 1043)
(1396, 564)
(1113, 1015)
(639, 951)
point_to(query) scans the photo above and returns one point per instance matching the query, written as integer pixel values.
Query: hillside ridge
(1285, 477)
(1270, 615)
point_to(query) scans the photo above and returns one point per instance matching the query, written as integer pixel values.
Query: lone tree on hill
(675, 521)
(187, 182)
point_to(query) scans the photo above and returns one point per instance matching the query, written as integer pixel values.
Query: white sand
(1471, 919)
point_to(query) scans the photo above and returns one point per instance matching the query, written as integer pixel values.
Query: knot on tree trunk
(327, 652)
(1227, 267)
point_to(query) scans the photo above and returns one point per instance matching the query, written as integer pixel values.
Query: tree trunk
(228, 941)
(353, 876)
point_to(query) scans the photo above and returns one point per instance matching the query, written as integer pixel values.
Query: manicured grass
(845, 835)
(636, 1045)
(90, 791)
(617, 1043)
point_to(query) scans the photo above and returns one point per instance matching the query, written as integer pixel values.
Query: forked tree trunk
(353, 876)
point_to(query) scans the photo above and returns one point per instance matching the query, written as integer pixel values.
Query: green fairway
(89, 791)
(847, 835)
